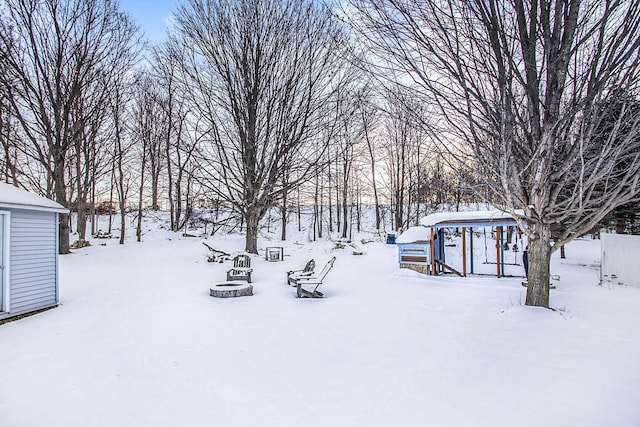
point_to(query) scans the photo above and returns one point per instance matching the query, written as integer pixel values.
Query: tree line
(246, 105)
(251, 105)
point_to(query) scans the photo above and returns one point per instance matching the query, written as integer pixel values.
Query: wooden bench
(307, 286)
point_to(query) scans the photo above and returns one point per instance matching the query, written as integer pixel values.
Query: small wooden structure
(274, 254)
(307, 286)
(436, 223)
(241, 268)
(414, 249)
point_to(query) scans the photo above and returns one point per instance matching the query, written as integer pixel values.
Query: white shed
(28, 251)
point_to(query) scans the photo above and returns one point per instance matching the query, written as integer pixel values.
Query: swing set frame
(495, 219)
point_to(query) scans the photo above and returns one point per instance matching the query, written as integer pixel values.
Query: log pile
(102, 235)
(80, 244)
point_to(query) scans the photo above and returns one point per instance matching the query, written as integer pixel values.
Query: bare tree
(122, 165)
(9, 158)
(166, 64)
(146, 131)
(400, 140)
(517, 87)
(349, 134)
(119, 176)
(368, 115)
(258, 73)
(54, 52)
(87, 154)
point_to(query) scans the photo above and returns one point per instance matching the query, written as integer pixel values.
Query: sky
(151, 15)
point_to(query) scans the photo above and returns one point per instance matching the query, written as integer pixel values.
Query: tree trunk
(351, 221)
(122, 196)
(329, 197)
(315, 209)
(373, 173)
(123, 222)
(188, 199)
(61, 195)
(81, 198)
(539, 270)
(92, 203)
(619, 226)
(418, 178)
(155, 182)
(178, 202)
(113, 184)
(399, 210)
(63, 246)
(253, 218)
(320, 210)
(139, 223)
(81, 221)
(140, 194)
(299, 213)
(358, 209)
(345, 220)
(377, 202)
(283, 235)
(337, 199)
(169, 171)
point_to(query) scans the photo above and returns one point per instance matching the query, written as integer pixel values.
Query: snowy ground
(137, 341)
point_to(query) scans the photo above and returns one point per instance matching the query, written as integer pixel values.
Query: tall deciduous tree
(258, 73)
(517, 89)
(369, 114)
(121, 174)
(57, 53)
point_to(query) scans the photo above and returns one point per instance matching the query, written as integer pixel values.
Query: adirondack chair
(307, 286)
(306, 271)
(241, 268)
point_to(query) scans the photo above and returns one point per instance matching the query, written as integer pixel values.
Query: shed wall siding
(618, 252)
(33, 260)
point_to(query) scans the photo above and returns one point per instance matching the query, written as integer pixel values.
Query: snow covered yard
(138, 341)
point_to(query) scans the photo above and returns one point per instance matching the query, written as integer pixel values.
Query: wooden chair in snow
(306, 271)
(241, 268)
(307, 286)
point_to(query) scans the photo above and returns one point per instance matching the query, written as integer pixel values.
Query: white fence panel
(620, 259)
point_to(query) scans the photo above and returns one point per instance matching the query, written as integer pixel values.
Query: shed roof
(414, 234)
(468, 219)
(14, 197)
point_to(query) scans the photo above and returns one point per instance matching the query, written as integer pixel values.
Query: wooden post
(464, 251)
(502, 250)
(433, 252)
(498, 251)
(471, 247)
